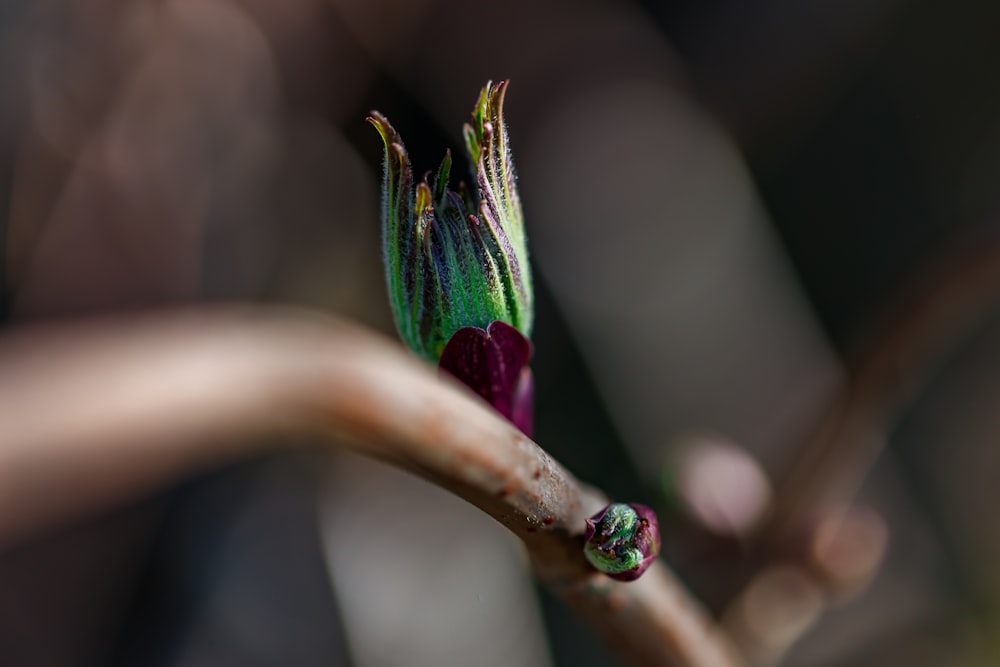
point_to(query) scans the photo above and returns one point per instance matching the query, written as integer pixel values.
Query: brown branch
(99, 413)
(936, 314)
(943, 308)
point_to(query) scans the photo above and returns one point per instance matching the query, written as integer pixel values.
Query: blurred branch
(98, 413)
(935, 316)
(844, 545)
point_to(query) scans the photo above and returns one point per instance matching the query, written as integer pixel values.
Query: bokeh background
(723, 199)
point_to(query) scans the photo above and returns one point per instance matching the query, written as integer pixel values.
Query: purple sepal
(523, 408)
(494, 364)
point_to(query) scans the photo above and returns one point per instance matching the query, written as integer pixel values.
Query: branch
(99, 413)
(940, 311)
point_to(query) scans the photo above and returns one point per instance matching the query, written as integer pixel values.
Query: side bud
(622, 540)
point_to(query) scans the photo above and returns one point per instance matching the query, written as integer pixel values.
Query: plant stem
(102, 412)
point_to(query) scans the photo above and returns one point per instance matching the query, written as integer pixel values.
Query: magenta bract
(493, 362)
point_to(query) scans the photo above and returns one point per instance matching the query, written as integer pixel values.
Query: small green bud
(454, 261)
(622, 540)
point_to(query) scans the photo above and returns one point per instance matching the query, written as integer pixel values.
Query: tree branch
(939, 311)
(98, 413)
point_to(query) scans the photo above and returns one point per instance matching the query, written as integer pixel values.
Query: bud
(622, 540)
(451, 260)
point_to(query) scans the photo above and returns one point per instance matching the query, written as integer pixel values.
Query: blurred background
(723, 201)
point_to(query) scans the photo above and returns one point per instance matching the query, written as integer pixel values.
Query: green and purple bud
(456, 262)
(622, 540)
(453, 260)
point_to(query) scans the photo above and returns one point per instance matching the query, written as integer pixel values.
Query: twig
(98, 413)
(938, 313)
